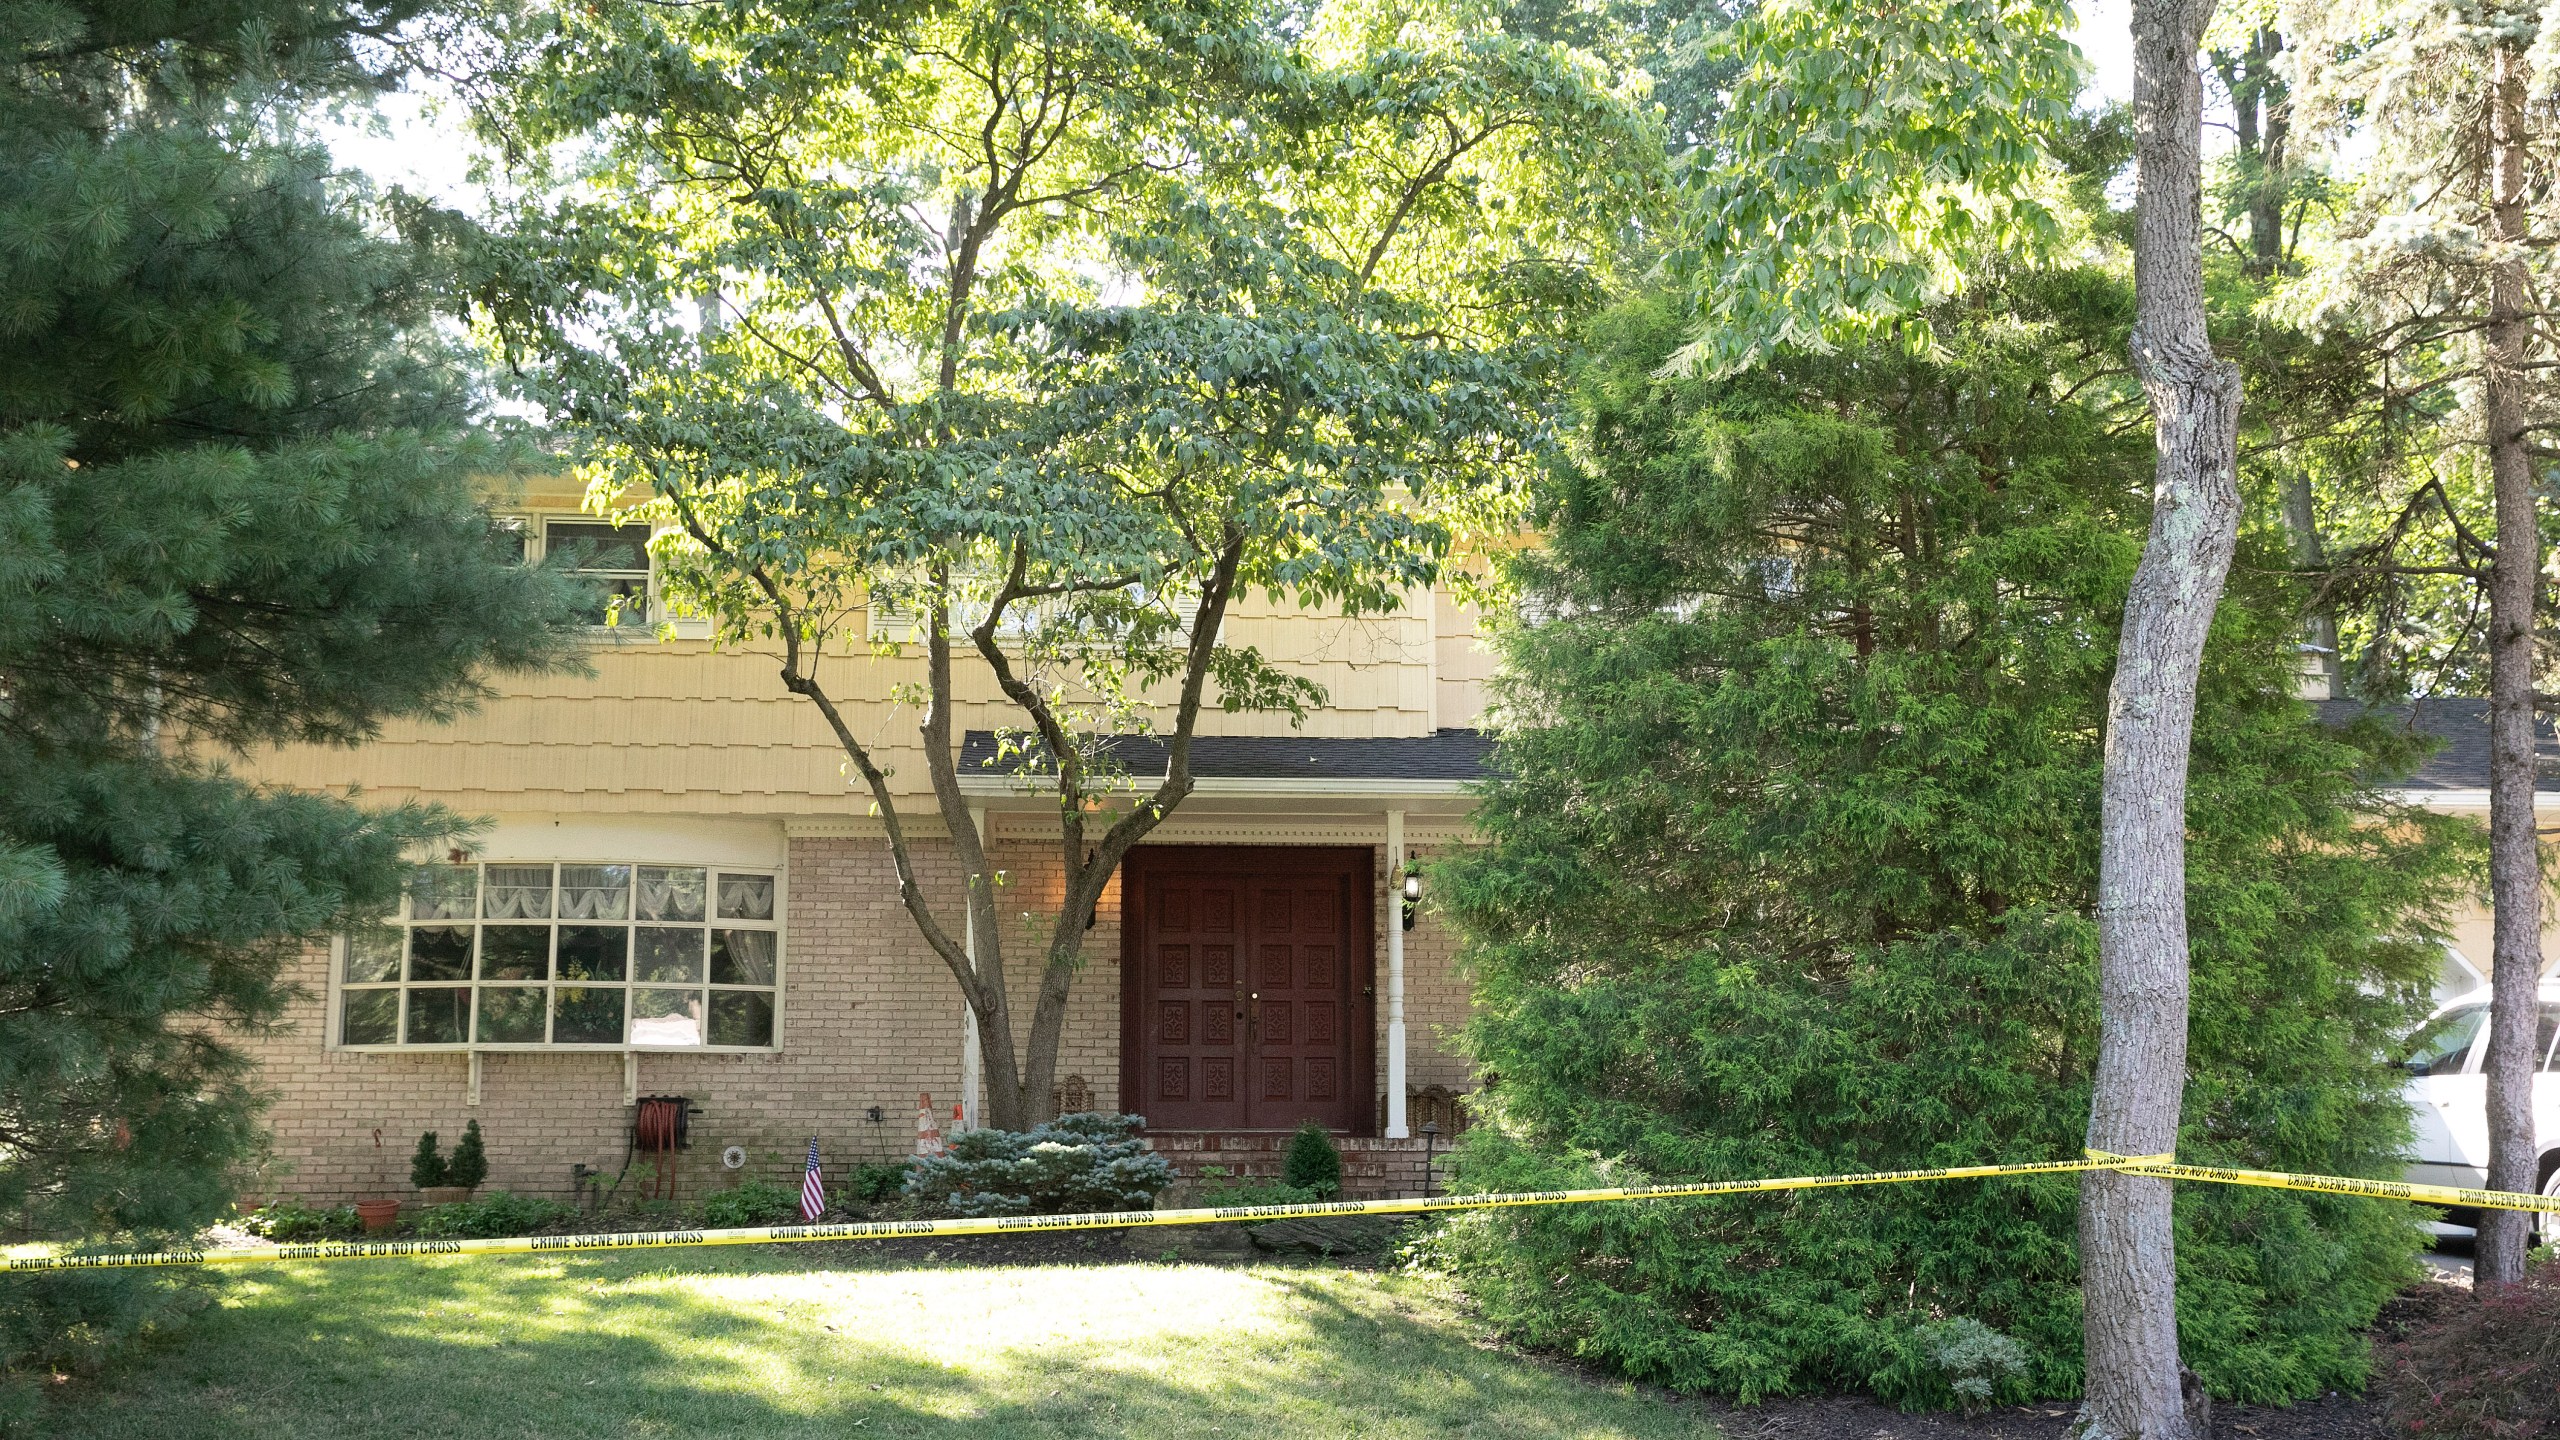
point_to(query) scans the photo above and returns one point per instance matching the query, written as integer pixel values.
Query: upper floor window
(595, 955)
(614, 561)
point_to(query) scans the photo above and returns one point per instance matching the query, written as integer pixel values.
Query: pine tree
(236, 508)
(1793, 870)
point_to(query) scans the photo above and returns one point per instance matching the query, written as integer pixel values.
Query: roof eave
(998, 787)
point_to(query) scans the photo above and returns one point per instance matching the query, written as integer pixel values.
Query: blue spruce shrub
(1072, 1164)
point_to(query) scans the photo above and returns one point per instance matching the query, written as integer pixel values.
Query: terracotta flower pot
(378, 1215)
(444, 1194)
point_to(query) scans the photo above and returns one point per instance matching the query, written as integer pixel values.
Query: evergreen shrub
(470, 1163)
(1793, 845)
(427, 1167)
(1977, 1361)
(1313, 1164)
(1074, 1163)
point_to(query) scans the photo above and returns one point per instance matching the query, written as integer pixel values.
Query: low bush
(755, 1202)
(1977, 1361)
(2484, 1371)
(1218, 1187)
(1313, 1164)
(493, 1215)
(287, 1221)
(1074, 1163)
(873, 1184)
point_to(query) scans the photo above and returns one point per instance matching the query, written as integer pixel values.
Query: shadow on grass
(758, 1345)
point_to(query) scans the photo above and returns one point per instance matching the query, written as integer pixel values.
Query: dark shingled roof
(1440, 755)
(2461, 726)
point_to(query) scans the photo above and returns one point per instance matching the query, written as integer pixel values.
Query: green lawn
(770, 1343)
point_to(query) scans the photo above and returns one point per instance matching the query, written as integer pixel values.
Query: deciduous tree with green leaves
(1865, 151)
(1060, 327)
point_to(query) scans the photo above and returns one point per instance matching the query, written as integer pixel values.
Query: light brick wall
(1435, 993)
(1035, 885)
(870, 1017)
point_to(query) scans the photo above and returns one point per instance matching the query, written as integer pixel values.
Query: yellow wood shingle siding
(680, 726)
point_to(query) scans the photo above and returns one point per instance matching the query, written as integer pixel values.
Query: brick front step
(1372, 1168)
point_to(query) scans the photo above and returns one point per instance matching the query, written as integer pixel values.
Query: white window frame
(654, 617)
(340, 987)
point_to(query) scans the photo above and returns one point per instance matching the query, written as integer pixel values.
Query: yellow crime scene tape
(2161, 1166)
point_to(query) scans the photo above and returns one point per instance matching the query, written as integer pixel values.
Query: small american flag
(813, 1192)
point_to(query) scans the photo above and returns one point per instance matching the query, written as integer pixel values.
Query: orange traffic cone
(928, 1134)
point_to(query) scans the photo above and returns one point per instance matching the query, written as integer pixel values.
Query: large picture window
(610, 956)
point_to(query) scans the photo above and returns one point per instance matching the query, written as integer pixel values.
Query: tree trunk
(2302, 537)
(2127, 1249)
(2515, 871)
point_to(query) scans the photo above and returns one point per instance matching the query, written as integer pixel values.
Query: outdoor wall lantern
(1412, 893)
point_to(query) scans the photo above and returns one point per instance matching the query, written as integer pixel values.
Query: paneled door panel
(1192, 1036)
(1245, 992)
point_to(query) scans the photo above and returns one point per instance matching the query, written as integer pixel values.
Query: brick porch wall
(870, 1017)
(1372, 1168)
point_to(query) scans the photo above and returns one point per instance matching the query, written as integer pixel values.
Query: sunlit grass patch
(771, 1344)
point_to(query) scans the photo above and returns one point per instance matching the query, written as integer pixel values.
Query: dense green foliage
(1075, 1163)
(1792, 862)
(498, 1213)
(427, 1163)
(286, 1221)
(751, 1202)
(470, 1163)
(1312, 1163)
(1866, 154)
(236, 509)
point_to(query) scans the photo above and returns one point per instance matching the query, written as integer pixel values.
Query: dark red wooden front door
(1245, 988)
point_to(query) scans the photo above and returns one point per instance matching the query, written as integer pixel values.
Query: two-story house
(680, 892)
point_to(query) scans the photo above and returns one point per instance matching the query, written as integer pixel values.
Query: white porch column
(1396, 1127)
(972, 1064)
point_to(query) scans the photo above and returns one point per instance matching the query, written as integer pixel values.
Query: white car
(2450, 1098)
